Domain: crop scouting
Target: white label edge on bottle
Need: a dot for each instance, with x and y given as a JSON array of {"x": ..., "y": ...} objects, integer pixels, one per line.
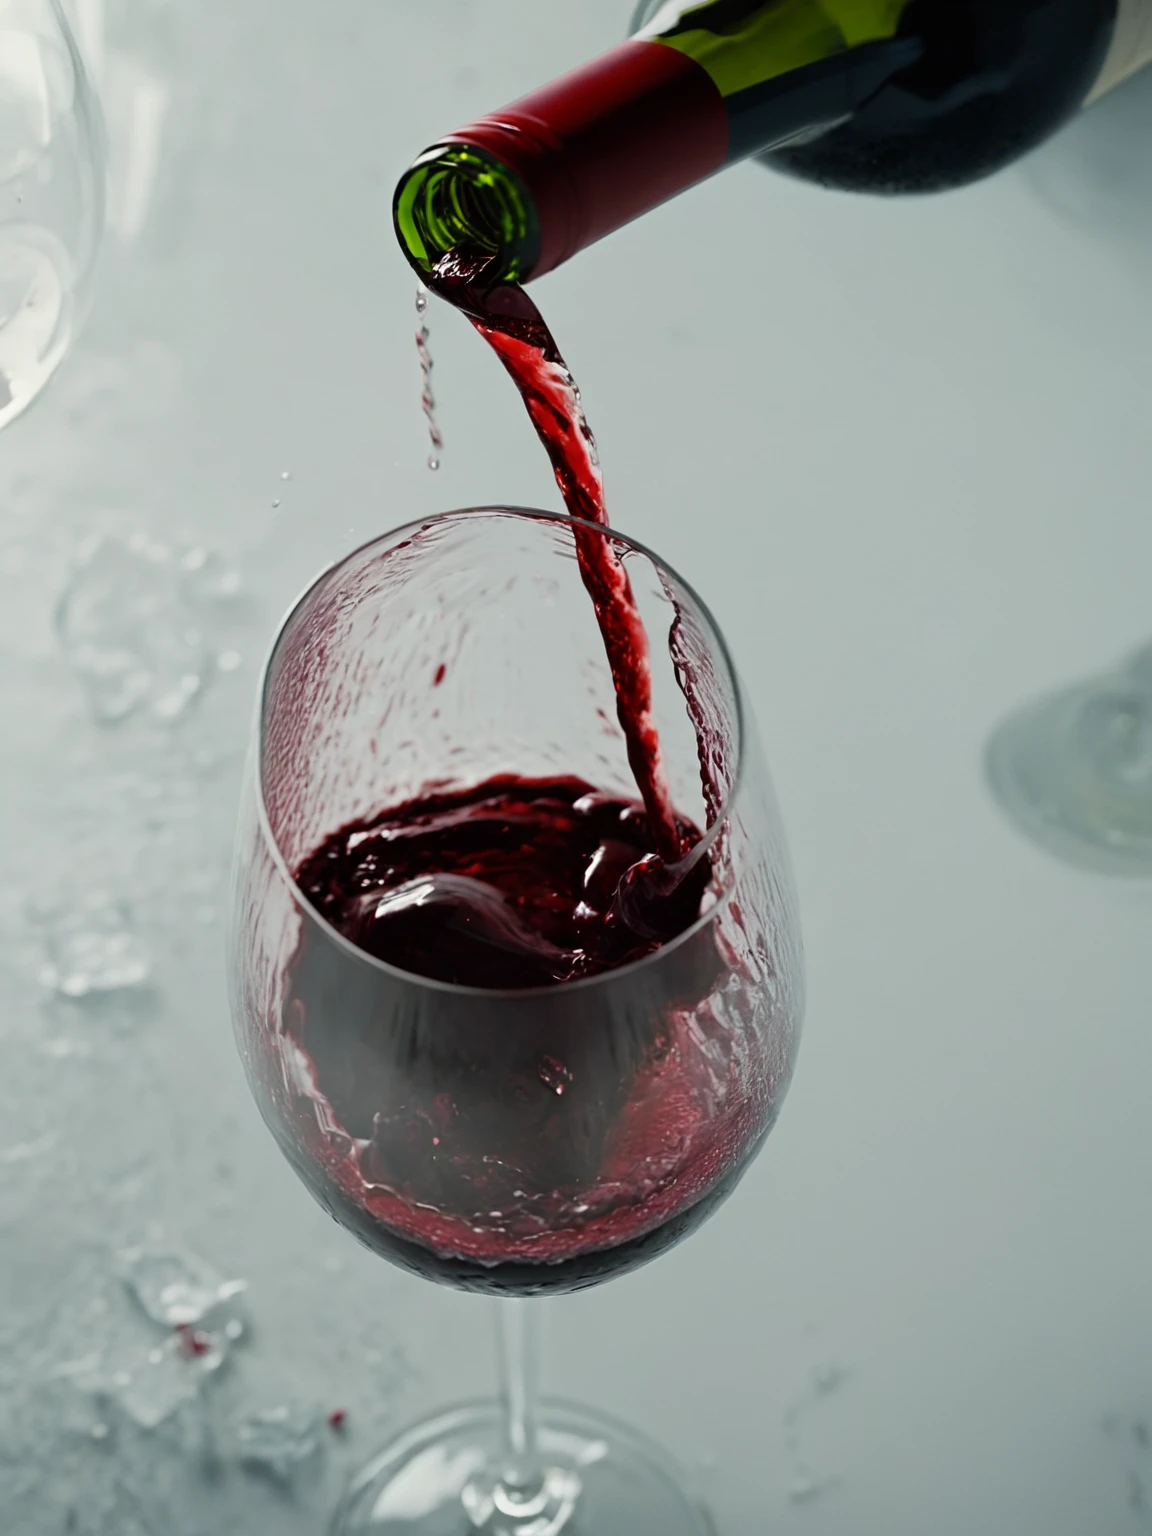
[{"x": 1131, "y": 47}]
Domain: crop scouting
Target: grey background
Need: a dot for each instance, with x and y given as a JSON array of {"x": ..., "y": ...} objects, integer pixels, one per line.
[{"x": 904, "y": 452}]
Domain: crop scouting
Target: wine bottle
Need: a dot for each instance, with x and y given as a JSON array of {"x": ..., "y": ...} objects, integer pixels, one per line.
[{"x": 872, "y": 95}]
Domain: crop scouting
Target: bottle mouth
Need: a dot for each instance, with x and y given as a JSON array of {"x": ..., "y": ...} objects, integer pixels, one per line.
[{"x": 459, "y": 201}]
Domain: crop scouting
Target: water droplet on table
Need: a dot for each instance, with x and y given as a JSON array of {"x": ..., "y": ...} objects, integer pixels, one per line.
[
  {"x": 278, "y": 1441},
  {"x": 28, "y": 1151},
  {"x": 92, "y": 948},
  {"x": 207, "y": 576},
  {"x": 134, "y": 626},
  {"x": 806, "y": 1488},
  {"x": 152, "y": 1382},
  {"x": 181, "y": 1290}
]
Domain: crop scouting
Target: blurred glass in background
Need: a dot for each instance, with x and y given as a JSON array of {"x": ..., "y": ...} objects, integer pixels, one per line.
[
  {"x": 51, "y": 196},
  {"x": 1097, "y": 174},
  {"x": 130, "y": 49},
  {"x": 1073, "y": 768}
]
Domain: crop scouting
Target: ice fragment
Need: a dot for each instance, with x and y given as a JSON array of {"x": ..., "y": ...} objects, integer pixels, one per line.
[
  {"x": 92, "y": 948},
  {"x": 278, "y": 1441},
  {"x": 181, "y": 1290}
]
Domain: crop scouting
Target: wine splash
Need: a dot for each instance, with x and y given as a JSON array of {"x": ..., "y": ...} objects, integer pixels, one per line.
[
  {"x": 516, "y": 331},
  {"x": 514, "y": 883}
]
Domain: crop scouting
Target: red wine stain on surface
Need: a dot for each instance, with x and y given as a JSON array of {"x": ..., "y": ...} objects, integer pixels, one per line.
[{"x": 193, "y": 1342}]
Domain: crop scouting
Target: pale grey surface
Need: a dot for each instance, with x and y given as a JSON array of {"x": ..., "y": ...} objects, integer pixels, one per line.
[{"x": 904, "y": 452}]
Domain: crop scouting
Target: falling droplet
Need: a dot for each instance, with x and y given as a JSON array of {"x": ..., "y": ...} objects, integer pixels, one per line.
[
  {"x": 427, "y": 398},
  {"x": 275, "y": 503},
  {"x": 285, "y": 474}
]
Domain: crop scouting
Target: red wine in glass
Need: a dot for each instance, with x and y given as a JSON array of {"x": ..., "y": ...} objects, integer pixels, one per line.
[{"x": 496, "y": 1157}]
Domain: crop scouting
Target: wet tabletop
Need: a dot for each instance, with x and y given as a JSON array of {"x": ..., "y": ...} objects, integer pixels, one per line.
[{"x": 904, "y": 453}]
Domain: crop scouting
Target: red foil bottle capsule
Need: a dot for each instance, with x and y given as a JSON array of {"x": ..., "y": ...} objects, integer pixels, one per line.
[{"x": 532, "y": 184}]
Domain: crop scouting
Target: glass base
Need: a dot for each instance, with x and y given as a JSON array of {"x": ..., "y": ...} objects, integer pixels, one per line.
[
  {"x": 602, "y": 1479},
  {"x": 1073, "y": 772}
]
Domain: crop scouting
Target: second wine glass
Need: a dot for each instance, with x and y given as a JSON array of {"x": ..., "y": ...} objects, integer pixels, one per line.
[
  {"x": 1073, "y": 769},
  {"x": 51, "y": 196}
]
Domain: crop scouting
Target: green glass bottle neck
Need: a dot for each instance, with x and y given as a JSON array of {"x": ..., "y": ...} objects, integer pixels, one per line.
[{"x": 458, "y": 200}]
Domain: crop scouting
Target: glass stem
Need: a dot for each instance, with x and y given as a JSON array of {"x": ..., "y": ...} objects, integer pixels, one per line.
[
  {"x": 520, "y": 1495},
  {"x": 518, "y": 1344}
]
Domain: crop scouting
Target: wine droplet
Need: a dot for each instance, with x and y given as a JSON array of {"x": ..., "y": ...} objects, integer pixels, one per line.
[
  {"x": 194, "y": 1342},
  {"x": 555, "y": 1075}
]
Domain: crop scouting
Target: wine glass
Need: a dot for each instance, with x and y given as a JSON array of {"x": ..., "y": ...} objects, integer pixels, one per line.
[
  {"x": 1097, "y": 175},
  {"x": 1073, "y": 770},
  {"x": 508, "y": 1142},
  {"x": 51, "y": 196}
]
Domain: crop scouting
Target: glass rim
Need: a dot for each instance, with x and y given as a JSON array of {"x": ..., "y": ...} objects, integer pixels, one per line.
[{"x": 533, "y": 514}]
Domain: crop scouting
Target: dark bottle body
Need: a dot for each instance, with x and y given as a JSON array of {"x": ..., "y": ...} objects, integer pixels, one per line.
[{"x": 993, "y": 79}]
